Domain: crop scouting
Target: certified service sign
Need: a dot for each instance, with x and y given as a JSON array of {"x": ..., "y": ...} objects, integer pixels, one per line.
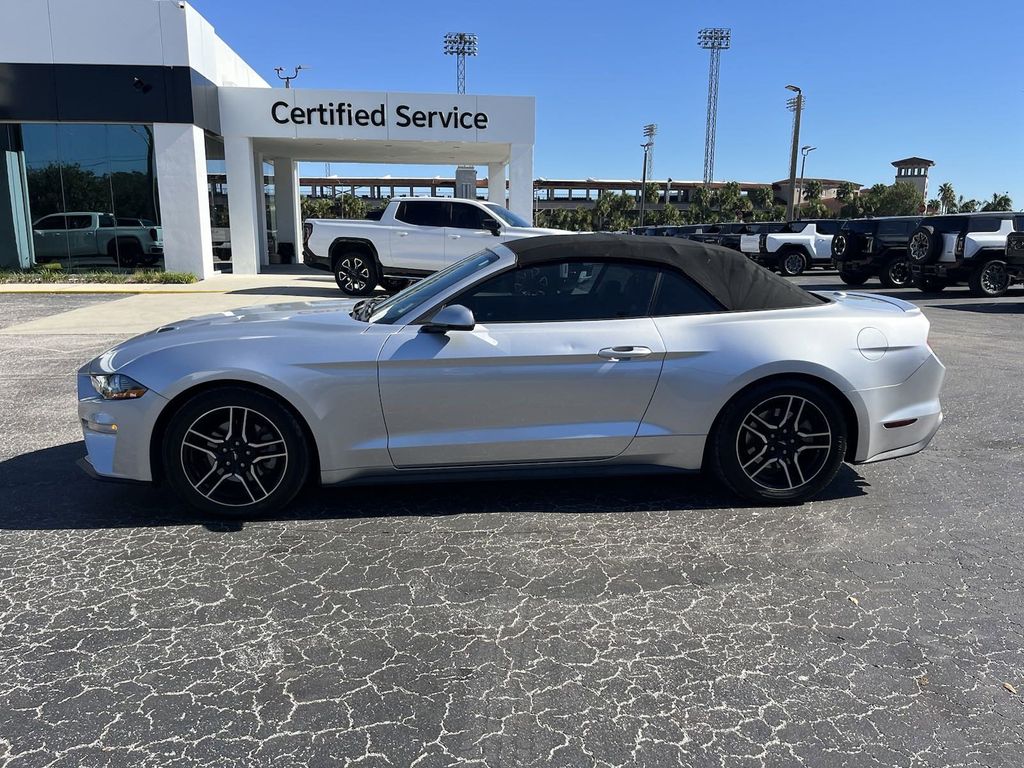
[{"x": 300, "y": 113}]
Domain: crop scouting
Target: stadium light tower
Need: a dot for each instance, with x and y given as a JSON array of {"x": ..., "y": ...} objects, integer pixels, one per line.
[
  {"x": 714, "y": 39},
  {"x": 650, "y": 131},
  {"x": 460, "y": 45}
]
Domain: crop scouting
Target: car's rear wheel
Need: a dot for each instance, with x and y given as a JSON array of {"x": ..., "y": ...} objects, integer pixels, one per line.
[
  {"x": 793, "y": 263},
  {"x": 896, "y": 273},
  {"x": 990, "y": 280},
  {"x": 930, "y": 283},
  {"x": 235, "y": 452},
  {"x": 853, "y": 276},
  {"x": 355, "y": 272},
  {"x": 781, "y": 441}
]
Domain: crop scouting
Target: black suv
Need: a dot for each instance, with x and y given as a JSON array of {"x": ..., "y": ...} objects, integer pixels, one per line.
[
  {"x": 964, "y": 247},
  {"x": 866, "y": 248},
  {"x": 1015, "y": 257}
]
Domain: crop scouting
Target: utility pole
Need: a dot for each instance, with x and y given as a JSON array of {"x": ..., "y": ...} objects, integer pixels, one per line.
[
  {"x": 650, "y": 130},
  {"x": 714, "y": 39},
  {"x": 796, "y": 104}
]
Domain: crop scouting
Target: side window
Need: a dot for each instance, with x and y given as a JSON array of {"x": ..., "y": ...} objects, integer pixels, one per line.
[
  {"x": 679, "y": 295},
  {"x": 79, "y": 222},
  {"x": 892, "y": 228},
  {"x": 424, "y": 213},
  {"x": 985, "y": 224},
  {"x": 469, "y": 216},
  {"x": 828, "y": 227},
  {"x": 109, "y": 221},
  {"x": 51, "y": 223},
  {"x": 563, "y": 291},
  {"x": 1018, "y": 223}
]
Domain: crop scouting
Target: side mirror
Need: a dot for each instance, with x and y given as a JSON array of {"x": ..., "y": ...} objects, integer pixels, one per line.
[
  {"x": 493, "y": 227},
  {"x": 454, "y": 317}
]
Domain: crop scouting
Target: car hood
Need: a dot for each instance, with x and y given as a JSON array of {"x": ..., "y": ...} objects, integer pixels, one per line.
[{"x": 298, "y": 319}]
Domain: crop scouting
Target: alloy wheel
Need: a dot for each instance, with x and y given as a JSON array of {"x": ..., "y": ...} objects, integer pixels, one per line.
[
  {"x": 994, "y": 278},
  {"x": 918, "y": 248},
  {"x": 899, "y": 273},
  {"x": 783, "y": 443},
  {"x": 234, "y": 456},
  {"x": 794, "y": 264},
  {"x": 839, "y": 244},
  {"x": 353, "y": 273}
]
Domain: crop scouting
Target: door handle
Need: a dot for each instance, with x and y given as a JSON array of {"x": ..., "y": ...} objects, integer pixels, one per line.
[
  {"x": 403, "y": 234},
  {"x": 623, "y": 353},
  {"x": 455, "y": 237}
]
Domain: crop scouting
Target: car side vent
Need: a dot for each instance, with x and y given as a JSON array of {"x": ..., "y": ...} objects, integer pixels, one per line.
[{"x": 166, "y": 328}]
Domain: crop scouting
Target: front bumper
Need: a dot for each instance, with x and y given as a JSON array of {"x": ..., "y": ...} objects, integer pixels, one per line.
[
  {"x": 915, "y": 399},
  {"x": 118, "y": 433}
]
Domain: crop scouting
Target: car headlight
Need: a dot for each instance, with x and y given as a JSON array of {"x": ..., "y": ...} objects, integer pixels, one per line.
[{"x": 116, "y": 386}]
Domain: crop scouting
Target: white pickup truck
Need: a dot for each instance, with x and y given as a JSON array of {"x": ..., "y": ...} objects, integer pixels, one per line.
[
  {"x": 81, "y": 234},
  {"x": 413, "y": 237},
  {"x": 798, "y": 246}
]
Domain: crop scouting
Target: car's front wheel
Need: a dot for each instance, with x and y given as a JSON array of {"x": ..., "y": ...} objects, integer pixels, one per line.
[
  {"x": 779, "y": 442},
  {"x": 235, "y": 452}
]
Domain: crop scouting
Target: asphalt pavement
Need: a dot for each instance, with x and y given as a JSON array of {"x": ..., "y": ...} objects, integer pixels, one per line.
[{"x": 607, "y": 622}]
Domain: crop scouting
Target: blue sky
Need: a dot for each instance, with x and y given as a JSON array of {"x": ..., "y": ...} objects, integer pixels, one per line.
[{"x": 883, "y": 80}]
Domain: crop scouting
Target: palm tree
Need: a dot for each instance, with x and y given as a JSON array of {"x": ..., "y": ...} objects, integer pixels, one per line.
[
  {"x": 999, "y": 202},
  {"x": 947, "y": 196},
  {"x": 966, "y": 206},
  {"x": 934, "y": 205}
]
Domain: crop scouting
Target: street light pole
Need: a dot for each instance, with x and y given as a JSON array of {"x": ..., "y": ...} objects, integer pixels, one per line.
[
  {"x": 805, "y": 151},
  {"x": 797, "y": 104},
  {"x": 460, "y": 45}
]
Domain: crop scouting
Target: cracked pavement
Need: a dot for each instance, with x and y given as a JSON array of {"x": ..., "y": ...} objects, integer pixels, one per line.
[{"x": 606, "y": 622}]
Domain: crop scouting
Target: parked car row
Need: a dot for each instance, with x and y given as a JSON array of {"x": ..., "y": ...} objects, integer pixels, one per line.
[{"x": 984, "y": 250}]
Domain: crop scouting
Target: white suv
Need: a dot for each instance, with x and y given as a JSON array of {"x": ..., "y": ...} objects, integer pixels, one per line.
[
  {"x": 795, "y": 248},
  {"x": 965, "y": 247}
]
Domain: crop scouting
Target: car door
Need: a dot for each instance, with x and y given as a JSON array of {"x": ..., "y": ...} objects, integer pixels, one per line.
[
  {"x": 824, "y": 231},
  {"x": 469, "y": 232},
  {"x": 417, "y": 240},
  {"x": 50, "y": 238},
  {"x": 81, "y": 235},
  {"x": 561, "y": 366}
]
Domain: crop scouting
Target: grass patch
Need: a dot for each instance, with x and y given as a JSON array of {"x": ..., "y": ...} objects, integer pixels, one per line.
[{"x": 53, "y": 273}]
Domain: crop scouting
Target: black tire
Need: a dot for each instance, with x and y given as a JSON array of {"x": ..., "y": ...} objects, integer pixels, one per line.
[
  {"x": 896, "y": 273},
  {"x": 990, "y": 279},
  {"x": 924, "y": 245},
  {"x": 356, "y": 273},
  {"x": 793, "y": 263},
  {"x": 231, "y": 477},
  {"x": 758, "y": 465},
  {"x": 930, "y": 283},
  {"x": 846, "y": 246},
  {"x": 394, "y": 284},
  {"x": 853, "y": 277}
]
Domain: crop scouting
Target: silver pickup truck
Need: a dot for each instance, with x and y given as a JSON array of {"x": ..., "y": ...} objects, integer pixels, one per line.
[{"x": 78, "y": 234}]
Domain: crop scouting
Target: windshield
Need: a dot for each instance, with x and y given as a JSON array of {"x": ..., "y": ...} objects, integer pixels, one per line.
[
  {"x": 390, "y": 310},
  {"x": 507, "y": 215}
]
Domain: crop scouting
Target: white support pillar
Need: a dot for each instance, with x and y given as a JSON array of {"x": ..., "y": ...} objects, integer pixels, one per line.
[
  {"x": 180, "y": 152},
  {"x": 520, "y": 181},
  {"x": 286, "y": 199},
  {"x": 263, "y": 247},
  {"x": 245, "y": 219},
  {"x": 496, "y": 183}
]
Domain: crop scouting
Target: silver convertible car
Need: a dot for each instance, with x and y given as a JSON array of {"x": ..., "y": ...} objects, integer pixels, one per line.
[{"x": 551, "y": 354}]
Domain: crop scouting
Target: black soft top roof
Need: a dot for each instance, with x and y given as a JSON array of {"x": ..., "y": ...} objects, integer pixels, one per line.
[{"x": 729, "y": 276}]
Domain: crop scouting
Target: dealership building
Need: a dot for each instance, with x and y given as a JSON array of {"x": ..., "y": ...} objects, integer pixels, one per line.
[{"x": 113, "y": 113}]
